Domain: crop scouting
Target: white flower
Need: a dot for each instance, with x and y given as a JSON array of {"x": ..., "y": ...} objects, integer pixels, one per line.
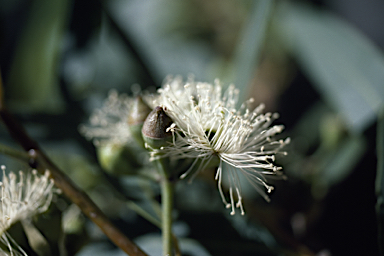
[
  {"x": 207, "y": 125},
  {"x": 110, "y": 122},
  {"x": 21, "y": 198}
]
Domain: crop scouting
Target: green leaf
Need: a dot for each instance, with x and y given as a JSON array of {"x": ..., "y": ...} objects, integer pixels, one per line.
[
  {"x": 36, "y": 240},
  {"x": 380, "y": 181},
  {"x": 33, "y": 83},
  {"x": 338, "y": 164},
  {"x": 151, "y": 243},
  {"x": 249, "y": 46},
  {"x": 346, "y": 68}
]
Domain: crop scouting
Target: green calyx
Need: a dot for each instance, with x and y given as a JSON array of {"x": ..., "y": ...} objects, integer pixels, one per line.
[
  {"x": 138, "y": 114},
  {"x": 117, "y": 159}
]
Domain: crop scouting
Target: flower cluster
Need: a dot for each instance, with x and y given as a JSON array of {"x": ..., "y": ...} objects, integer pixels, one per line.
[
  {"x": 209, "y": 128},
  {"x": 21, "y": 198},
  {"x": 207, "y": 125}
]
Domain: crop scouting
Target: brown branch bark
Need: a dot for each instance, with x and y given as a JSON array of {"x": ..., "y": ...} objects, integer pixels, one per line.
[{"x": 41, "y": 162}]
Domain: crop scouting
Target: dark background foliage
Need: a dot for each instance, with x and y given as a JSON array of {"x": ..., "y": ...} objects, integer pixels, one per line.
[{"x": 318, "y": 63}]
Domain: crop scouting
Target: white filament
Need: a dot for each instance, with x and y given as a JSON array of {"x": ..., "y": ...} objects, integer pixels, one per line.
[
  {"x": 22, "y": 197},
  {"x": 207, "y": 124}
]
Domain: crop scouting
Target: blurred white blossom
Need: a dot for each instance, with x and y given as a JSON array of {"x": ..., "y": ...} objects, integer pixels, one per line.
[
  {"x": 22, "y": 197},
  {"x": 110, "y": 122}
]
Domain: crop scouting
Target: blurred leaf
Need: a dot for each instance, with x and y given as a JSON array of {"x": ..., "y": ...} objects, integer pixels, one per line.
[
  {"x": 50, "y": 226},
  {"x": 380, "y": 181},
  {"x": 84, "y": 173},
  {"x": 335, "y": 152},
  {"x": 73, "y": 220},
  {"x": 102, "y": 64},
  {"x": 99, "y": 249},
  {"x": 249, "y": 46},
  {"x": 253, "y": 230},
  {"x": 36, "y": 240},
  {"x": 33, "y": 82},
  {"x": 163, "y": 53},
  {"x": 306, "y": 131},
  {"x": 338, "y": 164},
  {"x": 152, "y": 244},
  {"x": 344, "y": 65}
]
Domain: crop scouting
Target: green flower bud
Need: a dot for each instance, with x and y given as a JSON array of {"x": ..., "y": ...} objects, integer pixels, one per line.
[
  {"x": 137, "y": 115},
  {"x": 117, "y": 158},
  {"x": 154, "y": 130}
]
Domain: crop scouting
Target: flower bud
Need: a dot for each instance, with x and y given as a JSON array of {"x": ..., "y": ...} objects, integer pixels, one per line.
[
  {"x": 117, "y": 158},
  {"x": 137, "y": 115},
  {"x": 154, "y": 129}
]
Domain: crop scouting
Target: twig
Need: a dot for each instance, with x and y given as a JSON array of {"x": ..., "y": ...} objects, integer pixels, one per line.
[
  {"x": 20, "y": 155},
  {"x": 41, "y": 162}
]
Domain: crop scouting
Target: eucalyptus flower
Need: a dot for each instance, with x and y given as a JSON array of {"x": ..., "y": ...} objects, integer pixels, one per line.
[
  {"x": 109, "y": 124},
  {"x": 22, "y": 197},
  {"x": 113, "y": 128},
  {"x": 207, "y": 127}
]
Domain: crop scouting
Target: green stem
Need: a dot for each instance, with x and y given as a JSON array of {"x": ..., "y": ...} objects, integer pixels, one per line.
[
  {"x": 167, "y": 206},
  {"x": 143, "y": 213},
  {"x": 21, "y": 155},
  {"x": 167, "y": 188}
]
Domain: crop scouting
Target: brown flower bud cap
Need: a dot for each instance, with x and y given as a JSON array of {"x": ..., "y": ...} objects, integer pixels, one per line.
[{"x": 156, "y": 124}]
